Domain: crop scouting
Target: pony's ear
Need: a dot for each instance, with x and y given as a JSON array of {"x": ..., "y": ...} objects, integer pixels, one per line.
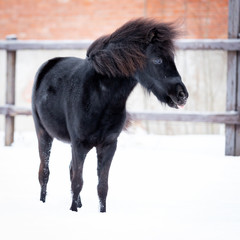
[{"x": 152, "y": 34}]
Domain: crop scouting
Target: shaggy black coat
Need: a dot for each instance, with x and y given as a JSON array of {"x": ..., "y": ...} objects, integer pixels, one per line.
[{"x": 83, "y": 101}]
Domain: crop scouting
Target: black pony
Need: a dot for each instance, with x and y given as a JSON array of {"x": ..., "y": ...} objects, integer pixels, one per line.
[{"x": 83, "y": 101}]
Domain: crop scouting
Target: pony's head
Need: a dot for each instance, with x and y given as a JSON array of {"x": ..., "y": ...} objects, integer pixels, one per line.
[{"x": 142, "y": 49}]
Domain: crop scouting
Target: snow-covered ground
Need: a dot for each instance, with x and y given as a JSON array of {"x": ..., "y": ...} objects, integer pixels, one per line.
[{"x": 161, "y": 187}]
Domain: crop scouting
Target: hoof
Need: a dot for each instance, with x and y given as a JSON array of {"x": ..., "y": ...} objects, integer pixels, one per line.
[
  {"x": 43, "y": 197},
  {"x": 79, "y": 203},
  {"x": 102, "y": 208},
  {"x": 74, "y": 207}
]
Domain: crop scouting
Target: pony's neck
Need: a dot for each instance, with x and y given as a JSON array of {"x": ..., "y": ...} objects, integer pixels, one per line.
[
  {"x": 116, "y": 90},
  {"x": 112, "y": 92}
]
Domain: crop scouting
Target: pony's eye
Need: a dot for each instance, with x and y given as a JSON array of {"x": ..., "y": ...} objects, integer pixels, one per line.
[{"x": 157, "y": 60}]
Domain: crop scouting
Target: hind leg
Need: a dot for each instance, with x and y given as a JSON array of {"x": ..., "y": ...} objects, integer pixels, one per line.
[{"x": 44, "y": 146}]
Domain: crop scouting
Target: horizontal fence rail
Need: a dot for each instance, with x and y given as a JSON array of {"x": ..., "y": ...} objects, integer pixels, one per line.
[
  {"x": 209, "y": 44},
  {"x": 224, "y": 118},
  {"x": 12, "y": 110},
  {"x": 184, "y": 44},
  {"x": 14, "y": 45}
]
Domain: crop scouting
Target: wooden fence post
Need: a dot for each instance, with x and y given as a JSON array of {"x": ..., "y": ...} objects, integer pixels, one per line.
[
  {"x": 10, "y": 92},
  {"x": 232, "y": 142}
]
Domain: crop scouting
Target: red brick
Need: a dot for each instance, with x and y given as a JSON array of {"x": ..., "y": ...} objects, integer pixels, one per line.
[{"x": 88, "y": 19}]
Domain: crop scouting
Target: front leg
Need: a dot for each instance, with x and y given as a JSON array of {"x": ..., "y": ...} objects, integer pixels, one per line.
[
  {"x": 79, "y": 203},
  {"x": 105, "y": 153},
  {"x": 79, "y": 153}
]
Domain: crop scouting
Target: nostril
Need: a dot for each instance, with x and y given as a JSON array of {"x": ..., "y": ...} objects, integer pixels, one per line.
[{"x": 182, "y": 95}]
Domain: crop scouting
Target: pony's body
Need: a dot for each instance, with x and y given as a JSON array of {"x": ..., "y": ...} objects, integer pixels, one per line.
[
  {"x": 98, "y": 117},
  {"x": 83, "y": 101}
]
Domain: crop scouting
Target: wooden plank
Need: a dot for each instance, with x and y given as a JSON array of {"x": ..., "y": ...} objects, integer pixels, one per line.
[
  {"x": 12, "y": 110},
  {"x": 184, "y": 44},
  {"x": 232, "y": 82},
  {"x": 229, "y": 117},
  {"x": 233, "y": 18},
  {"x": 237, "y": 151},
  {"x": 10, "y": 96},
  {"x": 231, "y": 103},
  {"x": 230, "y": 129},
  {"x": 208, "y": 44},
  {"x": 44, "y": 44}
]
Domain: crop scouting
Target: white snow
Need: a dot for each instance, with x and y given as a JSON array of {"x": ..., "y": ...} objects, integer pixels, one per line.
[{"x": 160, "y": 187}]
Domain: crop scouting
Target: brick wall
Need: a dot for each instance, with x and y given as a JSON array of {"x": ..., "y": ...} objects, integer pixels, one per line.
[{"x": 88, "y": 19}]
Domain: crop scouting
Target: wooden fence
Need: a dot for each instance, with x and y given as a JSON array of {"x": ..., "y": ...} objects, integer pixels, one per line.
[{"x": 231, "y": 118}]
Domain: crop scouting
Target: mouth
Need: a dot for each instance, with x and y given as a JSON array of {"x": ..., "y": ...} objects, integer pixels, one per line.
[{"x": 174, "y": 103}]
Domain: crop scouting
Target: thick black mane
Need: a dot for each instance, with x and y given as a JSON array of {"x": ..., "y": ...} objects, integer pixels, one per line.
[{"x": 123, "y": 51}]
